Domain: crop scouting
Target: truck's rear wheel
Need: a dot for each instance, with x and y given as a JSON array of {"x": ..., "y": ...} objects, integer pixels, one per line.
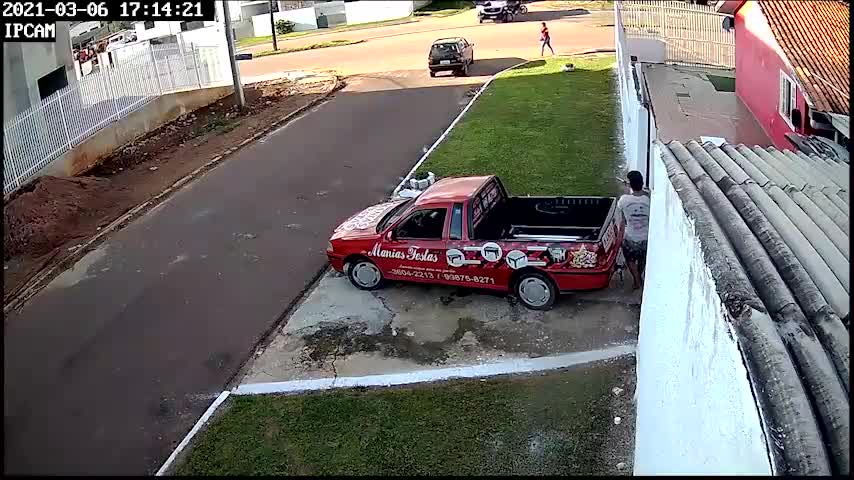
[
  {"x": 536, "y": 291},
  {"x": 365, "y": 275}
]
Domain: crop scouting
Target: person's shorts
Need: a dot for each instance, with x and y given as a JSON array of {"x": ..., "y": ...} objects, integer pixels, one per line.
[{"x": 634, "y": 251}]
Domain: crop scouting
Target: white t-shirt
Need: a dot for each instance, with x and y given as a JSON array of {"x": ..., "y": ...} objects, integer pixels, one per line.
[{"x": 635, "y": 209}]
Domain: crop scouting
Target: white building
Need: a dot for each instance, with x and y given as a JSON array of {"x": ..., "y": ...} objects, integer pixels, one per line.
[{"x": 33, "y": 71}]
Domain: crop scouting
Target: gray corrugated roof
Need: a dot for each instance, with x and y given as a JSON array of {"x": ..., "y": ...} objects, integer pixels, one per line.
[{"x": 783, "y": 216}]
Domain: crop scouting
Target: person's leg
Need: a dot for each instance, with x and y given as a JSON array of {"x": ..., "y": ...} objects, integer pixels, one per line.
[
  {"x": 542, "y": 47},
  {"x": 629, "y": 253},
  {"x": 642, "y": 262},
  {"x": 549, "y": 43}
]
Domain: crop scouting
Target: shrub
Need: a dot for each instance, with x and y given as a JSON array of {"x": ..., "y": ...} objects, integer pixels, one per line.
[{"x": 284, "y": 27}]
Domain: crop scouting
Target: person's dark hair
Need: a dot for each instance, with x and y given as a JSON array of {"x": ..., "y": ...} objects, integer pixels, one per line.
[
  {"x": 635, "y": 179},
  {"x": 544, "y": 24}
]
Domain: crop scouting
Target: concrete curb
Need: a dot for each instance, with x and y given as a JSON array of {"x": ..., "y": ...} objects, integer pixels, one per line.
[
  {"x": 471, "y": 102},
  {"x": 506, "y": 367},
  {"x": 40, "y": 279},
  {"x": 196, "y": 428}
]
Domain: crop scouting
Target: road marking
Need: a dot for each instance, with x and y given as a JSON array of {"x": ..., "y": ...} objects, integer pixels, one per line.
[{"x": 198, "y": 426}]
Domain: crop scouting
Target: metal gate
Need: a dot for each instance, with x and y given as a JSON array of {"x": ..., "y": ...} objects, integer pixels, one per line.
[{"x": 693, "y": 34}]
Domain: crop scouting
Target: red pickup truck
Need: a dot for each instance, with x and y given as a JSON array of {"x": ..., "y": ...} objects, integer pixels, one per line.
[{"x": 467, "y": 231}]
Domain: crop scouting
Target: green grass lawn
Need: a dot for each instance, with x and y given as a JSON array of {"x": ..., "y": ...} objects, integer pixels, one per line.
[
  {"x": 444, "y": 8},
  {"x": 251, "y": 41},
  {"x": 540, "y": 130},
  {"x": 313, "y": 46},
  {"x": 550, "y": 424}
]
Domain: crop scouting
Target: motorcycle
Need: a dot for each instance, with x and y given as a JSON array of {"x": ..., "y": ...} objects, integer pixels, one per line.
[{"x": 516, "y": 8}]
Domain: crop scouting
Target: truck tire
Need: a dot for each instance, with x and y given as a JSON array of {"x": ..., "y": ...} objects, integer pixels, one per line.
[
  {"x": 432, "y": 74},
  {"x": 364, "y": 274},
  {"x": 536, "y": 291}
]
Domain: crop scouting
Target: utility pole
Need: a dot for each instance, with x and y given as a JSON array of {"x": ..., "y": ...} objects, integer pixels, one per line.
[
  {"x": 273, "y": 26},
  {"x": 235, "y": 71}
]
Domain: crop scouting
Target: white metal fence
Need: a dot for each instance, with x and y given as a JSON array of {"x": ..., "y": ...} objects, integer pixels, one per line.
[
  {"x": 43, "y": 132},
  {"x": 693, "y": 34}
]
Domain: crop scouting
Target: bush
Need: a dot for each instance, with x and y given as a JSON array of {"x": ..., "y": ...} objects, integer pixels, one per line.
[{"x": 284, "y": 27}]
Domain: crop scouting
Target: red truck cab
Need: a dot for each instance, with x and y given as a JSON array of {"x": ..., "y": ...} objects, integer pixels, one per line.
[{"x": 467, "y": 231}]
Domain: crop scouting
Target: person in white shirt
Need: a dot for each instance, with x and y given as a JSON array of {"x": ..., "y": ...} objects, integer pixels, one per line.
[{"x": 633, "y": 211}]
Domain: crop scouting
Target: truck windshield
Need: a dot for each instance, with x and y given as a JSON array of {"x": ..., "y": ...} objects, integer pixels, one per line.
[{"x": 393, "y": 215}]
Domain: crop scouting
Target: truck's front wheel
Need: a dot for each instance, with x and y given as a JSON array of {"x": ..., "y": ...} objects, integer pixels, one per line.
[
  {"x": 536, "y": 291},
  {"x": 365, "y": 275}
]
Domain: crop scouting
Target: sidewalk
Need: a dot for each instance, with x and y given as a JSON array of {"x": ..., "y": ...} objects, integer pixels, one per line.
[{"x": 406, "y": 26}]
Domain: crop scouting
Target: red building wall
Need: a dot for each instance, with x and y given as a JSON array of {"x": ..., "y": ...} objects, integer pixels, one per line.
[{"x": 758, "y": 62}]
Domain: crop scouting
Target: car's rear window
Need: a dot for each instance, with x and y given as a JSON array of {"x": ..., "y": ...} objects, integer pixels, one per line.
[{"x": 441, "y": 48}]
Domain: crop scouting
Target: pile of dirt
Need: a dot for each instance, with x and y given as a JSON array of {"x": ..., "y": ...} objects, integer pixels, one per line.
[
  {"x": 45, "y": 218},
  {"x": 48, "y": 212},
  {"x": 192, "y": 128}
]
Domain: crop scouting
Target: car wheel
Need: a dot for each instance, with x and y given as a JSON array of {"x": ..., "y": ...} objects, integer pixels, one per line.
[
  {"x": 432, "y": 73},
  {"x": 536, "y": 291},
  {"x": 365, "y": 275},
  {"x": 523, "y": 9}
]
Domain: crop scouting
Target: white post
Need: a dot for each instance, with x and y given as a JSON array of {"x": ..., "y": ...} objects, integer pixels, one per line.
[
  {"x": 107, "y": 90},
  {"x": 169, "y": 73},
  {"x": 196, "y": 62},
  {"x": 235, "y": 72},
  {"x": 156, "y": 73},
  {"x": 64, "y": 123}
]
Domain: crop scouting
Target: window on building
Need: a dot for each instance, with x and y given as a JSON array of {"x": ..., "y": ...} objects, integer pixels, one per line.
[
  {"x": 787, "y": 101},
  {"x": 148, "y": 24},
  {"x": 185, "y": 26},
  {"x": 52, "y": 82}
]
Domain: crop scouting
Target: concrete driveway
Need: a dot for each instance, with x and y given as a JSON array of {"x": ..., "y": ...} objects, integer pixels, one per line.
[
  {"x": 107, "y": 368},
  {"x": 339, "y": 330}
]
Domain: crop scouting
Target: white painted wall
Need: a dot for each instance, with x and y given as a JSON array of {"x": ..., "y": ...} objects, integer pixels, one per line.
[
  {"x": 213, "y": 35},
  {"x": 335, "y": 12},
  {"x": 648, "y": 50},
  {"x": 303, "y": 18},
  {"x": 376, "y": 11},
  {"x": 696, "y": 413},
  {"x": 638, "y": 125},
  {"x": 160, "y": 29}
]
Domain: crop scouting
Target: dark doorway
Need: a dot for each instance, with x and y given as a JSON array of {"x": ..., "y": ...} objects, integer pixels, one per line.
[{"x": 52, "y": 82}]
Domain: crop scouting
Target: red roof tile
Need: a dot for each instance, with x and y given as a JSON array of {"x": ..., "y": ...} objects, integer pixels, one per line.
[{"x": 815, "y": 38}]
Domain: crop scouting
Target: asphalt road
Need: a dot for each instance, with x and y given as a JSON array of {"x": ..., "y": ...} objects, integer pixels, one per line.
[{"x": 109, "y": 366}]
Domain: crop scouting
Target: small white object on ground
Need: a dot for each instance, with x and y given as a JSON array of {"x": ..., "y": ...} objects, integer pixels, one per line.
[
  {"x": 621, "y": 465},
  {"x": 617, "y": 420},
  {"x": 617, "y": 390},
  {"x": 718, "y": 141},
  {"x": 408, "y": 193},
  {"x": 152, "y": 168}
]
